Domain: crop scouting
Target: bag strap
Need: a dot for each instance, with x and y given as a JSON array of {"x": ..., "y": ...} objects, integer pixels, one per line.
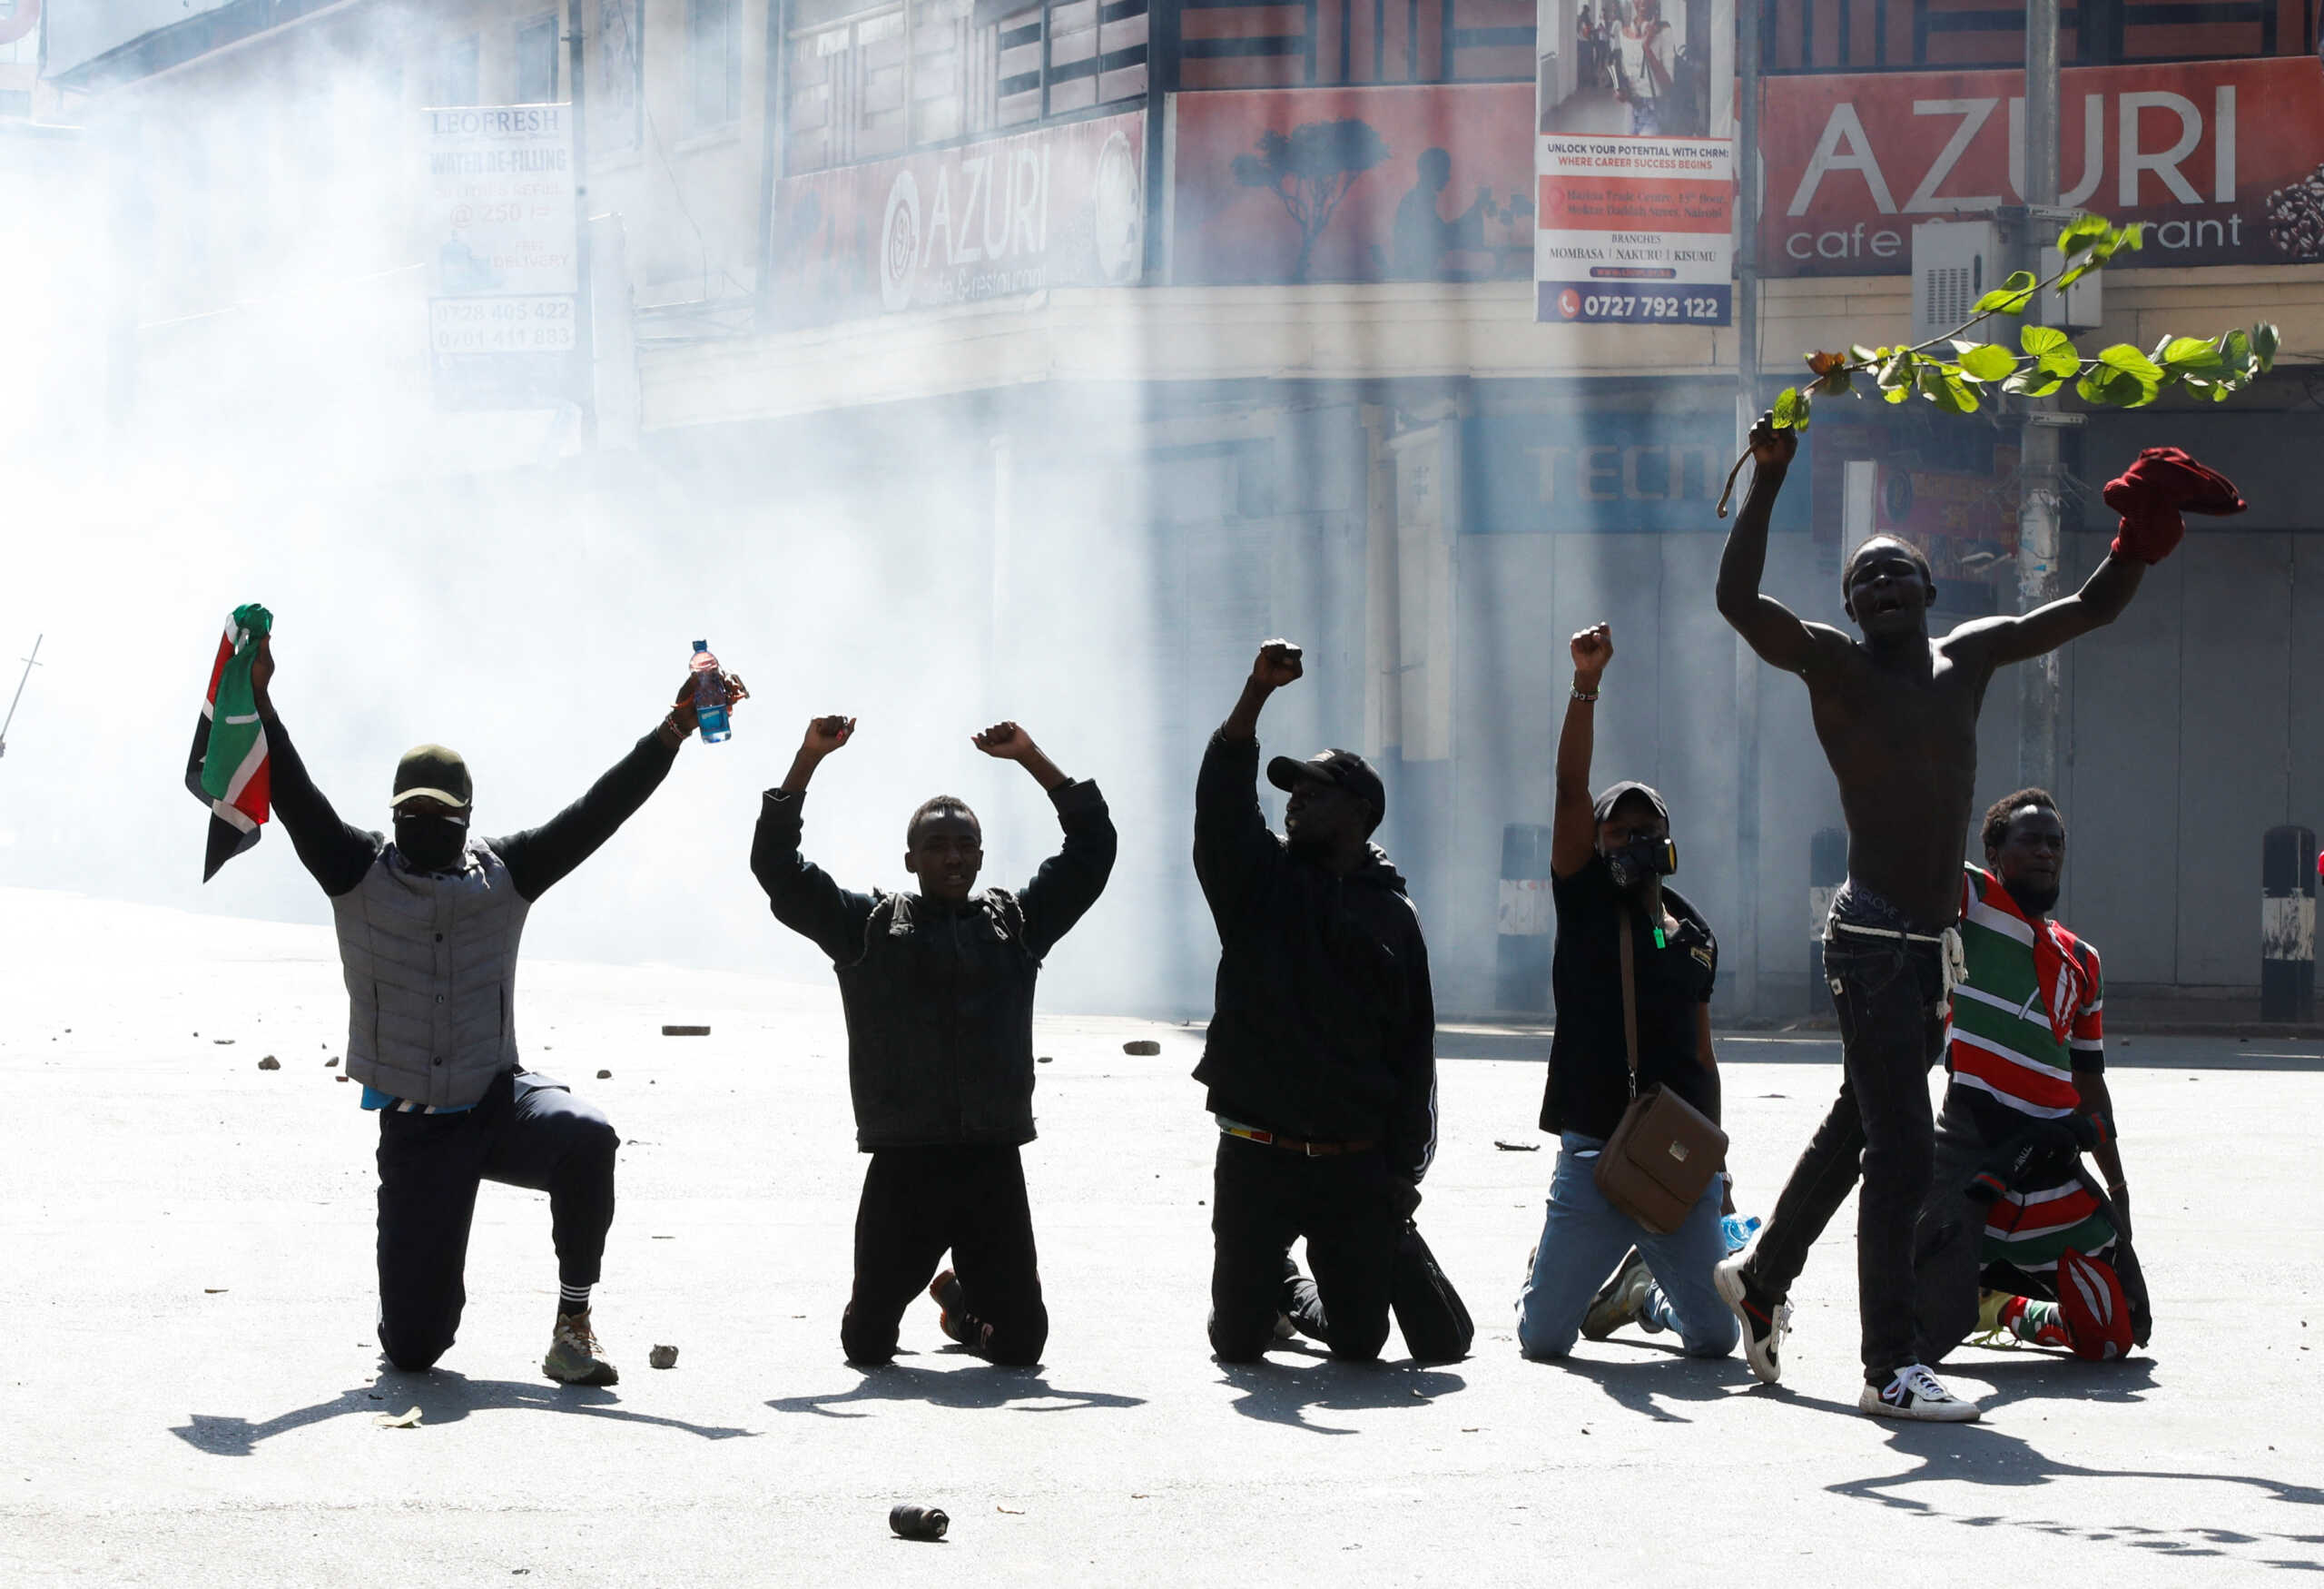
[{"x": 1630, "y": 994}]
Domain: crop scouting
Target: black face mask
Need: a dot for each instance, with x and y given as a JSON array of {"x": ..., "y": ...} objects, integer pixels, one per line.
[
  {"x": 431, "y": 844},
  {"x": 1640, "y": 859}
]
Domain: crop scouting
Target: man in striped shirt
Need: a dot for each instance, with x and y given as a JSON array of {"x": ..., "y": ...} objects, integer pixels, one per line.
[{"x": 2017, "y": 1241}]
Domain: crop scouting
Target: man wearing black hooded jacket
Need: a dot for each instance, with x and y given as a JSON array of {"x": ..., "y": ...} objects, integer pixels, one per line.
[{"x": 1321, "y": 1057}]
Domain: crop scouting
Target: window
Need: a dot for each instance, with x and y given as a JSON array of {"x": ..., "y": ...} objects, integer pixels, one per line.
[
  {"x": 454, "y": 81},
  {"x": 537, "y": 42},
  {"x": 714, "y": 64}
]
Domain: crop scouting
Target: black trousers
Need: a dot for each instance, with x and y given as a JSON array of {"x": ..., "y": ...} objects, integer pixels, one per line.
[
  {"x": 1429, "y": 1312},
  {"x": 1890, "y": 996},
  {"x": 530, "y": 1132},
  {"x": 1263, "y": 1198},
  {"x": 917, "y": 1203}
]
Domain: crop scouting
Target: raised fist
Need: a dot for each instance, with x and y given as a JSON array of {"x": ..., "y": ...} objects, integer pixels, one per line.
[
  {"x": 1278, "y": 664},
  {"x": 826, "y": 734},
  {"x": 1592, "y": 648},
  {"x": 1006, "y": 742}
]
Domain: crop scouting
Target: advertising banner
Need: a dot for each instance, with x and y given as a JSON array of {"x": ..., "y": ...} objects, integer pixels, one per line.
[
  {"x": 1633, "y": 169},
  {"x": 1062, "y": 206},
  {"x": 501, "y": 309},
  {"x": 1427, "y": 184},
  {"x": 1607, "y": 473},
  {"x": 2220, "y": 158}
]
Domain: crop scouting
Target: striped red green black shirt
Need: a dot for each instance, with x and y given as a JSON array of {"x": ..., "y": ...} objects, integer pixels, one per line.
[{"x": 2030, "y": 1012}]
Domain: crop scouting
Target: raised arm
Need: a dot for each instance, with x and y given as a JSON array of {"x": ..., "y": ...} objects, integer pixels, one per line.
[
  {"x": 539, "y": 858},
  {"x": 802, "y": 893},
  {"x": 336, "y": 854},
  {"x": 1070, "y": 882},
  {"x": 1770, "y": 628},
  {"x": 1231, "y": 834},
  {"x": 1573, "y": 838},
  {"x": 2099, "y": 602}
]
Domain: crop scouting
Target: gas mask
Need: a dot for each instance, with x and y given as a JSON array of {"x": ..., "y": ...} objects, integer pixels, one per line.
[
  {"x": 1641, "y": 858},
  {"x": 431, "y": 844}
]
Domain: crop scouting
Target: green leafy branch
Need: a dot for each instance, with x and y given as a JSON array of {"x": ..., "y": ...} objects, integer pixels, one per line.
[{"x": 1957, "y": 373}]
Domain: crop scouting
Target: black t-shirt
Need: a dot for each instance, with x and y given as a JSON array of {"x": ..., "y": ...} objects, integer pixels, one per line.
[{"x": 1588, "y": 1085}]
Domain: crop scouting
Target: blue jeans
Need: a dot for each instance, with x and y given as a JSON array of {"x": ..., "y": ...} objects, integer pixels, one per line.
[{"x": 1583, "y": 1238}]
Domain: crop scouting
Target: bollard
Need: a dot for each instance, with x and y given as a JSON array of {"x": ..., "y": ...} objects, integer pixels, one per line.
[
  {"x": 2288, "y": 924},
  {"x": 1827, "y": 868},
  {"x": 1527, "y": 920}
]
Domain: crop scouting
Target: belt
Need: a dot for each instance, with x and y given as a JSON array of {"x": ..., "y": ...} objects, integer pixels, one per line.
[
  {"x": 1951, "y": 955},
  {"x": 1294, "y": 1144}
]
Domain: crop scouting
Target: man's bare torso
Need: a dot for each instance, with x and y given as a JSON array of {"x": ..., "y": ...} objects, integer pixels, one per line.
[{"x": 1902, "y": 744}]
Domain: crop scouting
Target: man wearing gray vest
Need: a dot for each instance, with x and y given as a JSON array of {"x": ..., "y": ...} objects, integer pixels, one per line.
[{"x": 429, "y": 923}]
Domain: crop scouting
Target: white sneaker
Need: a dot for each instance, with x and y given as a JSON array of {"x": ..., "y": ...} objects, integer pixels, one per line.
[
  {"x": 1913, "y": 1392},
  {"x": 1764, "y": 1323}
]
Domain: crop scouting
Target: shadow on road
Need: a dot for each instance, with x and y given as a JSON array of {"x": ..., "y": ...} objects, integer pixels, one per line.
[
  {"x": 1659, "y": 1374},
  {"x": 1982, "y": 1455},
  {"x": 2038, "y": 1377},
  {"x": 1277, "y": 1392},
  {"x": 979, "y": 1386},
  {"x": 442, "y": 1395}
]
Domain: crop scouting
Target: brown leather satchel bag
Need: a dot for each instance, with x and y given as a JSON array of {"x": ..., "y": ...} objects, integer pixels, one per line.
[{"x": 1665, "y": 1151}]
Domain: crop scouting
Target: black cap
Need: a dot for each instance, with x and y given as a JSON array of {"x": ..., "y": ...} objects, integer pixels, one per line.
[
  {"x": 1615, "y": 793},
  {"x": 1342, "y": 768}
]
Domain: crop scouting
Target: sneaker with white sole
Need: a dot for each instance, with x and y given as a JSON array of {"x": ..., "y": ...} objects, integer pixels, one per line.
[
  {"x": 1913, "y": 1392},
  {"x": 1765, "y": 1320},
  {"x": 1619, "y": 1300},
  {"x": 574, "y": 1357}
]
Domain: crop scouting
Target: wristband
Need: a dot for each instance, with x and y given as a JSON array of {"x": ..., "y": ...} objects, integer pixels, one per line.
[{"x": 1587, "y": 697}]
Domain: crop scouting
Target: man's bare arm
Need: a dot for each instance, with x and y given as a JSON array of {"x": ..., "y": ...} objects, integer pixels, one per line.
[
  {"x": 2099, "y": 602},
  {"x": 1766, "y": 626},
  {"x": 1573, "y": 838}
]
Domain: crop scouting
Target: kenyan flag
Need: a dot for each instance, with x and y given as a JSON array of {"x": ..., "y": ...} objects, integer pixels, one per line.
[{"x": 227, "y": 770}]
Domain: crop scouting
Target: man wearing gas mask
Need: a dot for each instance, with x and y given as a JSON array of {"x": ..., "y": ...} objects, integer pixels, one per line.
[
  {"x": 428, "y": 923},
  {"x": 1608, "y": 860},
  {"x": 2018, "y": 1244}
]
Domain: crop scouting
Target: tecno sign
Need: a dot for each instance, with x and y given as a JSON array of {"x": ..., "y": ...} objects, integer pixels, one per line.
[{"x": 1852, "y": 162}]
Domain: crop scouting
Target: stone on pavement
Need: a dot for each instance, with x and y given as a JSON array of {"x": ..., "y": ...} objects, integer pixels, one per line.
[{"x": 153, "y": 1436}]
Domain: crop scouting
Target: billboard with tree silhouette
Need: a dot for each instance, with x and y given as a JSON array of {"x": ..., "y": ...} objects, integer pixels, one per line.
[{"x": 1352, "y": 184}]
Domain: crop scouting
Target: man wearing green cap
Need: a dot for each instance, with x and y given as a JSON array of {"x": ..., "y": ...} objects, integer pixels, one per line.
[{"x": 428, "y": 923}]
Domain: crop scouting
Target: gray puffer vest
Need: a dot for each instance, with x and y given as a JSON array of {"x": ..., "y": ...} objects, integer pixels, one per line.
[{"x": 430, "y": 961}]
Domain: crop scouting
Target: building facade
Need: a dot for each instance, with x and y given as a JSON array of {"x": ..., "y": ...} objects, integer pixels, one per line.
[{"x": 1161, "y": 327}]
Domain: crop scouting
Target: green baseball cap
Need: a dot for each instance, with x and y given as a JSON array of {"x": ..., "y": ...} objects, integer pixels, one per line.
[{"x": 431, "y": 772}]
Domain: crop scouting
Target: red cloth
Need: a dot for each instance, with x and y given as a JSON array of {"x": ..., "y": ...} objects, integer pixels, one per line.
[{"x": 2150, "y": 494}]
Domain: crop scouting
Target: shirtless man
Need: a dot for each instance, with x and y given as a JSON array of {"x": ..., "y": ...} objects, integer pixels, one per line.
[{"x": 1896, "y": 713}]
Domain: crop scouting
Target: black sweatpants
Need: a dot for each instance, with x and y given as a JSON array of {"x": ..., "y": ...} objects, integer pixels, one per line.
[
  {"x": 1429, "y": 1312},
  {"x": 1263, "y": 1198},
  {"x": 529, "y": 1131},
  {"x": 1890, "y": 996},
  {"x": 917, "y": 1203}
]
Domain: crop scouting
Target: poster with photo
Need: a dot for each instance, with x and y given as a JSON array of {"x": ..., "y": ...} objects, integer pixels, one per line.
[{"x": 1633, "y": 162}]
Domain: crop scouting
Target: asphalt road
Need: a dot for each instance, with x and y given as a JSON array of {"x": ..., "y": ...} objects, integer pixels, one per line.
[{"x": 191, "y": 1383}]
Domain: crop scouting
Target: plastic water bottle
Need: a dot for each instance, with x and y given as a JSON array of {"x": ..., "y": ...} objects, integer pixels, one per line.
[
  {"x": 1738, "y": 1231},
  {"x": 709, "y": 694}
]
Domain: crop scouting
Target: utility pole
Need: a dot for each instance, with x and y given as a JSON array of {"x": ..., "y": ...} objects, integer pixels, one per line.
[
  {"x": 2040, "y": 493},
  {"x": 585, "y": 307},
  {"x": 30, "y": 662},
  {"x": 1746, "y": 412}
]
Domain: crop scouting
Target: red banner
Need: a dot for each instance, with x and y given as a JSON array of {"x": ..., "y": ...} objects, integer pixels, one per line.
[
  {"x": 1061, "y": 206},
  {"x": 2220, "y": 158},
  {"x": 1354, "y": 184}
]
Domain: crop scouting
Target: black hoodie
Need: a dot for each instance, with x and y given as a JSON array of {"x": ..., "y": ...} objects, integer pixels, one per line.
[{"x": 1325, "y": 1027}]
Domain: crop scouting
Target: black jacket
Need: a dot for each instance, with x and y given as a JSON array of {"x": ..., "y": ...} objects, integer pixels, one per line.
[
  {"x": 1325, "y": 1027},
  {"x": 939, "y": 998}
]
